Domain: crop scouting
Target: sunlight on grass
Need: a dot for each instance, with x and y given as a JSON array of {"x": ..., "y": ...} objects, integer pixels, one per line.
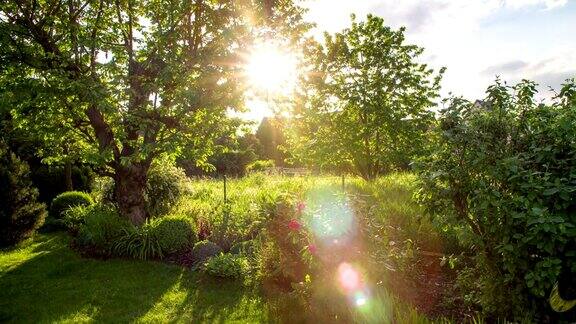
[{"x": 44, "y": 280}]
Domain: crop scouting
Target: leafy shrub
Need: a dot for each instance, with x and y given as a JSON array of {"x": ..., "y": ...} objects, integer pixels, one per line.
[
  {"x": 68, "y": 199},
  {"x": 166, "y": 183},
  {"x": 226, "y": 265},
  {"x": 101, "y": 228},
  {"x": 280, "y": 257},
  {"x": 74, "y": 218},
  {"x": 174, "y": 233},
  {"x": 138, "y": 243},
  {"x": 204, "y": 250},
  {"x": 259, "y": 165},
  {"x": 244, "y": 248},
  {"x": 20, "y": 212},
  {"x": 502, "y": 177}
]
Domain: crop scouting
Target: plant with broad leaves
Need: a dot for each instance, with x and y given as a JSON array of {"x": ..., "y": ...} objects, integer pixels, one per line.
[{"x": 502, "y": 174}]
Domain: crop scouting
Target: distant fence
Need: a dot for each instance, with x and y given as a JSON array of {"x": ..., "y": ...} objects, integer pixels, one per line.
[{"x": 287, "y": 171}]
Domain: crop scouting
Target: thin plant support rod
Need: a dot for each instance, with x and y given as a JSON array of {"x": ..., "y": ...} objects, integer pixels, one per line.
[
  {"x": 225, "y": 195},
  {"x": 226, "y": 215}
]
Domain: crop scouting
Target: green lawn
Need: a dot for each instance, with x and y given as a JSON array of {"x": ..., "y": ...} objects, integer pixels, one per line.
[{"x": 46, "y": 281}]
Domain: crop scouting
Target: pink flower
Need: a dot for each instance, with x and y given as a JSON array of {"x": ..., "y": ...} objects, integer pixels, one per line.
[
  {"x": 312, "y": 248},
  {"x": 300, "y": 207},
  {"x": 294, "y": 225}
]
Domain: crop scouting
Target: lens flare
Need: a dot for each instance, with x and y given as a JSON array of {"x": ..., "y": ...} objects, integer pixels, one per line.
[
  {"x": 348, "y": 277},
  {"x": 352, "y": 284},
  {"x": 360, "y": 298},
  {"x": 329, "y": 215}
]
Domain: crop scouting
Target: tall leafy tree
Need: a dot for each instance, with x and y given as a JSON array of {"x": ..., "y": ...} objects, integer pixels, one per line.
[
  {"x": 366, "y": 102},
  {"x": 127, "y": 81}
]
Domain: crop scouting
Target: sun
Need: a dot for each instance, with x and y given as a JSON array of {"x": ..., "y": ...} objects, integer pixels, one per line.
[{"x": 271, "y": 69}]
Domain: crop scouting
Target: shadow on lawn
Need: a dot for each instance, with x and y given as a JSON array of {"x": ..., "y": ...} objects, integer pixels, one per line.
[{"x": 56, "y": 284}]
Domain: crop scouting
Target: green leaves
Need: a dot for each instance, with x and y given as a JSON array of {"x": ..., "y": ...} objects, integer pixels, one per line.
[
  {"x": 504, "y": 169},
  {"x": 369, "y": 111}
]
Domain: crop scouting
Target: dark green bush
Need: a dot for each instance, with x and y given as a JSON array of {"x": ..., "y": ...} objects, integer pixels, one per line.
[
  {"x": 156, "y": 238},
  {"x": 74, "y": 218},
  {"x": 102, "y": 227},
  {"x": 20, "y": 212},
  {"x": 66, "y": 200},
  {"x": 226, "y": 265},
  {"x": 204, "y": 250},
  {"x": 502, "y": 176},
  {"x": 174, "y": 233},
  {"x": 102, "y": 231}
]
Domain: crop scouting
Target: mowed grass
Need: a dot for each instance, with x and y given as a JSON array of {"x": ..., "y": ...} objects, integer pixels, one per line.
[{"x": 46, "y": 281}]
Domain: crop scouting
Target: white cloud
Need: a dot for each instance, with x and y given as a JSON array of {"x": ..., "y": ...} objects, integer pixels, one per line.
[
  {"x": 549, "y": 4},
  {"x": 455, "y": 34}
]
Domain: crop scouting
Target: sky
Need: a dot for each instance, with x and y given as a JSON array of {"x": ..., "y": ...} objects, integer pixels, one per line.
[{"x": 474, "y": 39}]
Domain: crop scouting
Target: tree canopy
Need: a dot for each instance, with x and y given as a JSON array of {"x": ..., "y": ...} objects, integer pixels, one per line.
[
  {"x": 123, "y": 82},
  {"x": 366, "y": 101}
]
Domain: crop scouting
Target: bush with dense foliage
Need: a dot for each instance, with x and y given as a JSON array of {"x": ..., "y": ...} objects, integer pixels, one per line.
[
  {"x": 174, "y": 233},
  {"x": 166, "y": 183},
  {"x": 502, "y": 177},
  {"x": 74, "y": 218},
  {"x": 66, "y": 200},
  {"x": 20, "y": 212},
  {"x": 226, "y": 265},
  {"x": 101, "y": 231}
]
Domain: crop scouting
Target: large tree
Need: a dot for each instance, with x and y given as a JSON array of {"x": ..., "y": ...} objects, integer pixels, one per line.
[
  {"x": 366, "y": 102},
  {"x": 127, "y": 81}
]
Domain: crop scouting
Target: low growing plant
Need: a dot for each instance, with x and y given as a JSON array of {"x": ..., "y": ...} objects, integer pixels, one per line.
[
  {"x": 204, "y": 250},
  {"x": 138, "y": 243},
  {"x": 226, "y": 265},
  {"x": 66, "y": 200},
  {"x": 102, "y": 227}
]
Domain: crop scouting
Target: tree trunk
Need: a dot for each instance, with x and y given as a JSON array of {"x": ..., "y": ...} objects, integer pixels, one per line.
[
  {"x": 130, "y": 183},
  {"x": 68, "y": 176}
]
